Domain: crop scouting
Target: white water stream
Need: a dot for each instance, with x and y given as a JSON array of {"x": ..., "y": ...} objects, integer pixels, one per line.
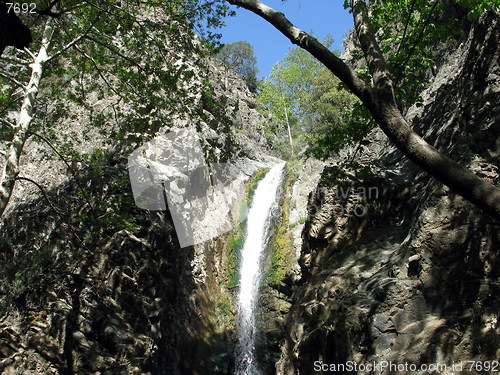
[{"x": 258, "y": 226}]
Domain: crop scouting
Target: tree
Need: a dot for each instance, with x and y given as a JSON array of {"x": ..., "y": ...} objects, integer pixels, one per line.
[
  {"x": 281, "y": 95},
  {"x": 331, "y": 116},
  {"x": 21, "y": 128},
  {"x": 240, "y": 57},
  {"x": 279, "y": 107},
  {"x": 294, "y": 76},
  {"x": 321, "y": 109},
  {"x": 379, "y": 97},
  {"x": 287, "y": 95},
  {"x": 106, "y": 49}
]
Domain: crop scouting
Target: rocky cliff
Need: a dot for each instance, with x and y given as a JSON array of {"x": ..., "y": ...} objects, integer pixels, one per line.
[
  {"x": 90, "y": 283},
  {"x": 395, "y": 266}
]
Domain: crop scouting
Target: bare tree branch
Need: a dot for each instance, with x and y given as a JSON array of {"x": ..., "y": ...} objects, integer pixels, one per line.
[
  {"x": 11, "y": 79},
  {"x": 99, "y": 71},
  {"x": 8, "y": 123},
  {"x": 21, "y": 130},
  {"x": 73, "y": 42},
  {"x": 118, "y": 53},
  {"x": 71, "y": 170},
  {"x": 8, "y": 106},
  {"x": 347, "y": 75},
  {"x": 33, "y": 57},
  {"x": 381, "y": 103},
  {"x": 14, "y": 60},
  {"x": 374, "y": 58},
  {"x": 59, "y": 213},
  {"x": 419, "y": 38},
  {"x": 407, "y": 23}
]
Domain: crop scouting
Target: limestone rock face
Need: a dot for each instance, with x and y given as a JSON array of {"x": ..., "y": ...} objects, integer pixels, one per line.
[{"x": 412, "y": 276}]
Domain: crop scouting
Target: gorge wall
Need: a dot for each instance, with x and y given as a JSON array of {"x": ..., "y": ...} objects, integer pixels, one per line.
[
  {"x": 91, "y": 284},
  {"x": 395, "y": 266}
]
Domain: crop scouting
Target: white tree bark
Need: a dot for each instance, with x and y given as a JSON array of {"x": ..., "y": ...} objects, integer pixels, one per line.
[
  {"x": 289, "y": 130},
  {"x": 22, "y": 127}
]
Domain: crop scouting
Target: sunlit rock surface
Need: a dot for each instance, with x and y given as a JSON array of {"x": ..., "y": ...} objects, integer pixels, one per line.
[{"x": 415, "y": 280}]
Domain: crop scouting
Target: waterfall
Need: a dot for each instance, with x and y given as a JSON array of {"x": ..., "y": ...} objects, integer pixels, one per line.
[{"x": 258, "y": 225}]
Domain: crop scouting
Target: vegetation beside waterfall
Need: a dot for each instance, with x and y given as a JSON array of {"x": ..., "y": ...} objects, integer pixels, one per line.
[{"x": 281, "y": 249}]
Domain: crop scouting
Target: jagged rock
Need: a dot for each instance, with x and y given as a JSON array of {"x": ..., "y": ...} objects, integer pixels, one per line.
[{"x": 412, "y": 280}]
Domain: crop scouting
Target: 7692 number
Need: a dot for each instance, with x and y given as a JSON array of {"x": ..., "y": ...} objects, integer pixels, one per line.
[
  {"x": 21, "y": 8},
  {"x": 492, "y": 366}
]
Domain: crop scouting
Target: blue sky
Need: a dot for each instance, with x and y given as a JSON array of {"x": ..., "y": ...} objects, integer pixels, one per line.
[{"x": 322, "y": 17}]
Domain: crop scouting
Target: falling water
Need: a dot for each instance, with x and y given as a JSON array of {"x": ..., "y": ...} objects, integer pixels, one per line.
[{"x": 258, "y": 223}]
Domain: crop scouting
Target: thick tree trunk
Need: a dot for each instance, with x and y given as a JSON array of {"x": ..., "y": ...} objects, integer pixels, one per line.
[
  {"x": 381, "y": 102},
  {"x": 22, "y": 127}
]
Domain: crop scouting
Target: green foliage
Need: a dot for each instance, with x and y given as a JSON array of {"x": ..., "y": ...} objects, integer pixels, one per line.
[
  {"x": 234, "y": 246},
  {"x": 254, "y": 182},
  {"x": 476, "y": 7},
  {"x": 274, "y": 102},
  {"x": 289, "y": 90},
  {"x": 225, "y": 307},
  {"x": 278, "y": 108},
  {"x": 305, "y": 95},
  {"x": 130, "y": 71},
  {"x": 295, "y": 76},
  {"x": 413, "y": 33},
  {"x": 282, "y": 247},
  {"x": 282, "y": 253},
  {"x": 240, "y": 57},
  {"x": 281, "y": 99},
  {"x": 125, "y": 55},
  {"x": 335, "y": 117}
]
